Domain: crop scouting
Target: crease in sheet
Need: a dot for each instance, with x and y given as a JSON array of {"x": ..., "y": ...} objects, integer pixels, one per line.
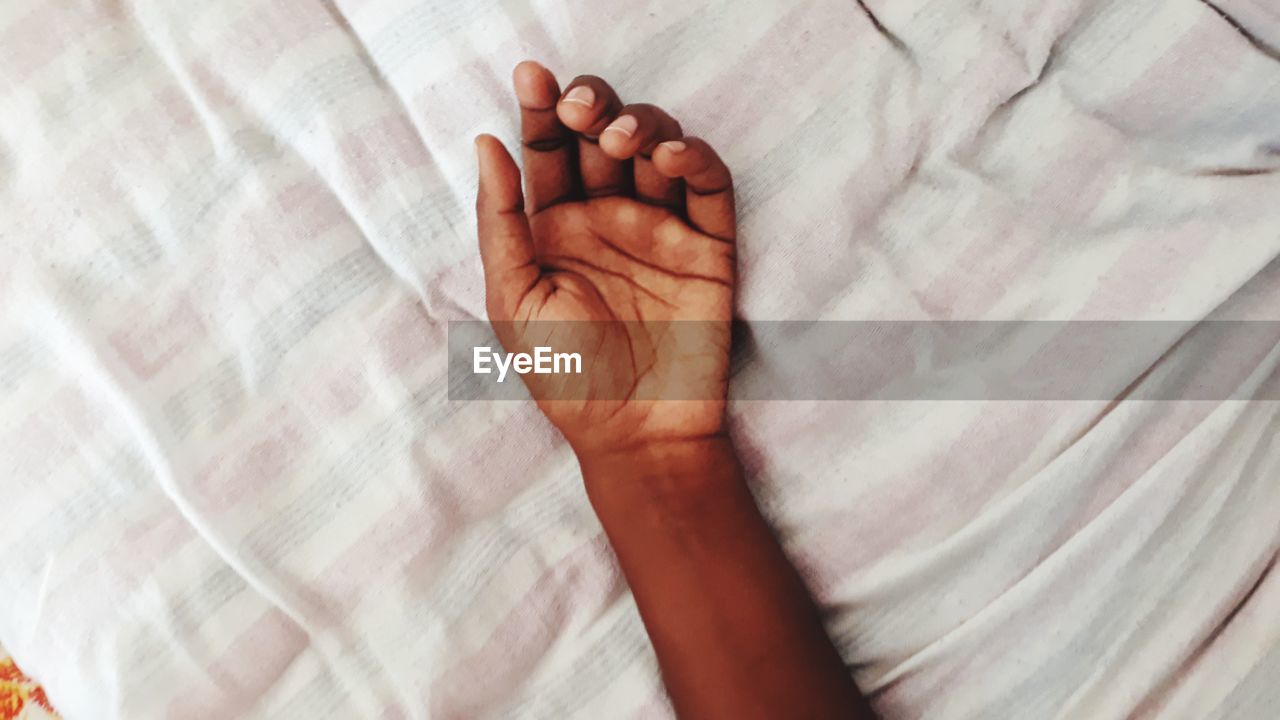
[{"x": 1132, "y": 495}]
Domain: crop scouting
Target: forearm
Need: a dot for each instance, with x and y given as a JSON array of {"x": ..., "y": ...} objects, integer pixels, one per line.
[{"x": 733, "y": 627}]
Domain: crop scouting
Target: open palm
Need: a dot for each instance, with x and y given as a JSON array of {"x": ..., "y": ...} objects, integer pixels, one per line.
[{"x": 623, "y": 254}]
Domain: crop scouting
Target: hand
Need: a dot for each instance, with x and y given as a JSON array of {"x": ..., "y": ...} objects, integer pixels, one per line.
[{"x": 632, "y": 232}]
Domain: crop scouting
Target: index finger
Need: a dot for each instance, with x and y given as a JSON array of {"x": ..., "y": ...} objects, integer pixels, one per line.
[{"x": 550, "y": 167}]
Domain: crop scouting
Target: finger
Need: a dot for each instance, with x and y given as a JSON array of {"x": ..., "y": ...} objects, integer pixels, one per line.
[
  {"x": 637, "y": 129},
  {"x": 506, "y": 243},
  {"x": 708, "y": 184},
  {"x": 601, "y": 174},
  {"x": 635, "y": 133},
  {"x": 548, "y": 146},
  {"x": 588, "y": 105}
]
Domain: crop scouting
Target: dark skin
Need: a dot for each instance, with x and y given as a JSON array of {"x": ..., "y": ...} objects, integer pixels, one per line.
[{"x": 623, "y": 218}]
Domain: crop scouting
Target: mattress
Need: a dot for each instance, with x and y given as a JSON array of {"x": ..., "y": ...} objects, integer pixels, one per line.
[{"x": 235, "y": 233}]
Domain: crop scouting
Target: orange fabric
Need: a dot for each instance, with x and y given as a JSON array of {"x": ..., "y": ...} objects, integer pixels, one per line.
[{"x": 21, "y": 698}]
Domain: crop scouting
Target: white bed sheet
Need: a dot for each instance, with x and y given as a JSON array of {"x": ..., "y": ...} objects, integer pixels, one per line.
[{"x": 234, "y": 231}]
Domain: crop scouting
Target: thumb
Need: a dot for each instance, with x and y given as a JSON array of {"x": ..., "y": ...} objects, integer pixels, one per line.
[{"x": 506, "y": 243}]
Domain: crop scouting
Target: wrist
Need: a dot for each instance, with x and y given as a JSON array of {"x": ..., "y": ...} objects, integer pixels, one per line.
[
  {"x": 675, "y": 475},
  {"x": 655, "y": 459}
]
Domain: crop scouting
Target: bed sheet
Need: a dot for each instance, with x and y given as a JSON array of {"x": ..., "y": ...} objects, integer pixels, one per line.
[{"x": 234, "y": 232}]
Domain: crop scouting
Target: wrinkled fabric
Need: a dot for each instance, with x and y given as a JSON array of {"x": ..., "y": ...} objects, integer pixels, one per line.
[{"x": 234, "y": 232}]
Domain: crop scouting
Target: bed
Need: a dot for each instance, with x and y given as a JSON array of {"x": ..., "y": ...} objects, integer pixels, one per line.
[{"x": 235, "y": 232}]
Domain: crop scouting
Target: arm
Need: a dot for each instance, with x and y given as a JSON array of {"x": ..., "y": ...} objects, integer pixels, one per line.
[
  {"x": 733, "y": 627},
  {"x": 625, "y": 218}
]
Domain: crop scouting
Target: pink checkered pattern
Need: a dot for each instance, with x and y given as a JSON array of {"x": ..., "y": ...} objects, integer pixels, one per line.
[{"x": 234, "y": 231}]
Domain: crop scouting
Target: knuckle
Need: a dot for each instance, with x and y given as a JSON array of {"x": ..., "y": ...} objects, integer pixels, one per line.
[
  {"x": 642, "y": 114},
  {"x": 547, "y": 144}
]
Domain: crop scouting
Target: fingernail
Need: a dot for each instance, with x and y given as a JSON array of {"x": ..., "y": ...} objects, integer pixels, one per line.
[
  {"x": 581, "y": 95},
  {"x": 674, "y": 146},
  {"x": 625, "y": 124}
]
